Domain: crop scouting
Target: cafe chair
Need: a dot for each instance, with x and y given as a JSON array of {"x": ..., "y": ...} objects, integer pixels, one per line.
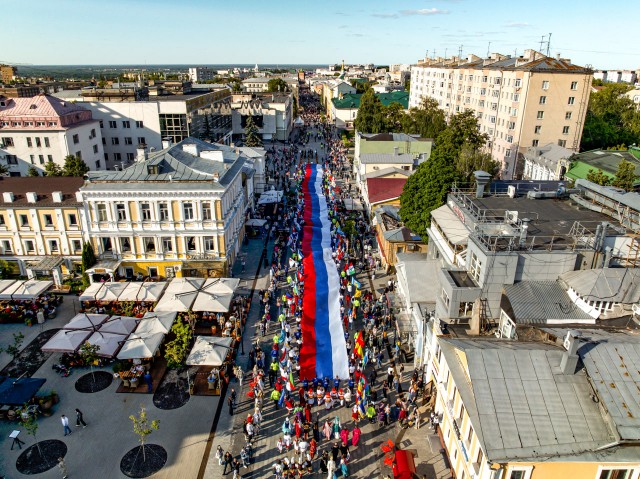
[{"x": 125, "y": 383}]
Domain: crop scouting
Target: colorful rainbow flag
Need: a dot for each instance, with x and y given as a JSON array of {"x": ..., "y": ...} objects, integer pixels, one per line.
[{"x": 324, "y": 351}]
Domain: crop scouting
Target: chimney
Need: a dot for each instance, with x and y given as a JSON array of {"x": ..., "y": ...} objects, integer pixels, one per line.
[
  {"x": 166, "y": 142},
  {"x": 32, "y": 197},
  {"x": 523, "y": 231},
  {"x": 215, "y": 155},
  {"x": 57, "y": 196},
  {"x": 482, "y": 179},
  {"x": 141, "y": 152},
  {"x": 570, "y": 357},
  {"x": 7, "y": 197},
  {"x": 191, "y": 148},
  {"x": 396, "y": 151},
  {"x": 216, "y": 177},
  {"x": 79, "y": 197}
]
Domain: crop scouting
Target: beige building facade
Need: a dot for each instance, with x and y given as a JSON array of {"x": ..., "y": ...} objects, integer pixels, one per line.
[{"x": 520, "y": 102}]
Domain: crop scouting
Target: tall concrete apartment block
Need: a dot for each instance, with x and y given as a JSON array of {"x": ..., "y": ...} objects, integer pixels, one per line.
[
  {"x": 524, "y": 101},
  {"x": 199, "y": 74}
]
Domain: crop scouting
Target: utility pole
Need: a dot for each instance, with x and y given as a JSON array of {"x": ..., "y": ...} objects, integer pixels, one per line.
[{"x": 488, "y": 49}]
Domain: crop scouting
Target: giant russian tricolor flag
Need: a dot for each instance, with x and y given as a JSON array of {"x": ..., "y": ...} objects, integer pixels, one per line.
[{"x": 324, "y": 351}]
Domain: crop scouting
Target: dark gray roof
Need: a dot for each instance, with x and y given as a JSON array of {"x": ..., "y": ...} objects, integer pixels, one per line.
[
  {"x": 387, "y": 171},
  {"x": 618, "y": 285},
  {"x": 391, "y": 158},
  {"x": 392, "y": 137},
  {"x": 543, "y": 302},
  {"x": 520, "y": 403},
  {"x": 417, "y": 272},
  {"x": 175, "y": 165}
]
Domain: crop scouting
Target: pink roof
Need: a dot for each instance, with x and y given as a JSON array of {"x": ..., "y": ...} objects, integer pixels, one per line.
[
  {"x": 384, "y": 189},
  {"x": 39, "y": 106}
]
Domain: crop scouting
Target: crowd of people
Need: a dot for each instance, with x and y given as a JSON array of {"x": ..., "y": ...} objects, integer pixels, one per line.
[{"x": 311, "y": 403}]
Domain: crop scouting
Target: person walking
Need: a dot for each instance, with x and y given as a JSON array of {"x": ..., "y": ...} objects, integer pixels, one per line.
[
  {"x": 230, "y": 402},
  {"x": 220, "y": 454},
  {"x": 149, "y": 380},
  {"x": 235, "y": 467},
  {"x": 65, "y": 424},
  {"x": 228, "y": 461},
  {"x": 63, "y": 468},
  {"x": 80, "y": 419}
]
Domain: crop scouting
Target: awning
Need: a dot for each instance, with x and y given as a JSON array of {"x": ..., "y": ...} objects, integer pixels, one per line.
[
  {"x": 140, "y": 347},
  {"x": 104, "y": 267},
  {"x": 66, "y": 341},
  {"x": 148, "y": 291},
  {"x": 17, "y": 392},
  {"x": 353, "y": 205},
  {"x": 28, "y": 290},
  {"x": 119, "y": 324},
  {"x": 156, "y": 322},
  {"x": 257, "y": 222},
  {"x": 108, "y": 343},
  {"x": 8, "y": 291},
  {"x": 449, "y": 223},
  {"x": 5, "y": 283},
  {"x": 89, "y": 294},
  {"x": 209, "y": 351},
  {"x": 271, "y": 196},
  {"x": 86, "y": 321},
  {"x": 47, "y": 263}
]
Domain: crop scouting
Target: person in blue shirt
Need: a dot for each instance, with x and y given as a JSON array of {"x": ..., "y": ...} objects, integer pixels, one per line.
[{"x": 336, "y": 382}]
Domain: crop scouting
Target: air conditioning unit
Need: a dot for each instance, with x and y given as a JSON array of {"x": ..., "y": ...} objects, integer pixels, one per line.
[{"x": 511, "y": 191}]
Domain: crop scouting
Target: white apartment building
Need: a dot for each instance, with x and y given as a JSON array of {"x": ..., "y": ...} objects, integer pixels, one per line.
[
  {"x": 272, "y": 114},
  {"x": 43, "y": 128},
  {"x": 197, "y": 74},
  {"x": 255, "y": 85},
  {"x": 520, "y": 102}
]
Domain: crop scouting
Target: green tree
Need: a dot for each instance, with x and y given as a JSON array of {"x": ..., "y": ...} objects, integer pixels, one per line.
[
  {"x": 360, "y": 86},
  {"x": 470, "y": 160},
  {"x": 251, "y": 133},
  {"x": 14, "y": 348},
  {"x": 89, "y": 354},
  {"x": 371, "y": 117},
  {"x": 88, "y": 260},
  {"x": 598, "y": 177},
  {"x": 427, "y": 120},
  {"x": 394, "y": 117},
  {"x": 5, "y": 269},
  {"x": 625, "y": 175},
  {"x": 277, "y": 85},
  {"x": 236, "y": 85},
  {"x": 30, "y": 423},
  {"x": 52, "y": 169},
  {"x": 4, "y": 170},
  {"x": 74, "y": 166},
  {"x": 176, "y": 350},
  {"x": 33, "y": 171},
  {"x": 142, "y": 427}
]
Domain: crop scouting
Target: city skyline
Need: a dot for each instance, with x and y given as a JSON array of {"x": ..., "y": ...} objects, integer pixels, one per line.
[{"x": 358, "y": 32}]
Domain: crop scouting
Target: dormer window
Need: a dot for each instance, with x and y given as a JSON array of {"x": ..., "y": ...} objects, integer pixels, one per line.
[
  {"x": 152, "y": 169},
  {"x": 33, "y": 107}
]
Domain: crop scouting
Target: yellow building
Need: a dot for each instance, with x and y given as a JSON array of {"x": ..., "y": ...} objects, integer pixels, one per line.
[
  {"x": 528, "y": 410},
  {"x": 393, "y": 237},
  {"x": 41, "y": 225},
  {"x": 176, "y": 212},
  {"x": 520, "y": 102}
]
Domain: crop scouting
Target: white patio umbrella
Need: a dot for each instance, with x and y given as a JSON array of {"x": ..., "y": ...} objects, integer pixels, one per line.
[
  {"x": 89, "y": 294},
  {"x": 109, "y": 343},
  {"x": 149, "y": 291},
  {"x": 31, "y": 289},
  {"x": 257, "y": 222},
  {"x": 66, "y": 341},
  {"x": 138, "y": 347},
  {"x": 119, "y": 324},
  {"x": 153, "y": 322},
  {"x": 214, "y": 302},
  {"x": 209, "y": 351},
  {"x": 5, "y": 283},
  {"x": 221, "y": 285},
  {"x": 180, "y": 294},
  {"x": 110, "y": 291},
  {"x": 86, "y": 321},
  {"x": 9, "y": 290}
]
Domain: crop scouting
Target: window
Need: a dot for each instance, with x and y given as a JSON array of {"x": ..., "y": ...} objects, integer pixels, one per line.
[
  {"x": 545, "y": 84},
  {"x": 562, "y": 143},
  {"x": 475, "y": 267},
  {"x": 567, "y": 115},
  {"x": 187, "y": 211},
  {"x": 465, "y": 309},
  {"x": 6, "y": 247},
  {"x": 537, "y": 129},
  {"x": 117, "y": 156},
  {"x": 106, "y": 156},
  {"x": 115, "y": 140},
  {"x": 48, "y": 220},
  {"x": 534, "y": 143},
  {"x": 102, "y": 212},
  {"x": 153, "y": 271},
  {"x": 139, "y": 124},
  {"x": 141, "y": 140},
  {"x": 149, "y": 244},
  {"x": 543, "y": 100},
  {"x": 95, "y": 149},
  {"x": 53, "y": 246},
  {"x": 145, "y": 211},
  {"x": 516, "y": 97},
  {"x": 29, "y": 142},
  {"x": 167, "y": 245},
  {"x": 113, "y": 124},
  {"x": 565, "y": 130},
  {"x": 209, "y": 244},
  {"x": 104, "y": 140},
  {"x": 76, "y": 139},
  {"x": 128, "y": 140},
  {"x": 125, "y": 245},
  {"x": 130, "y": 157},
  {"x": 610, "y": 473},
  {"x": 107, "y": 245},
  {"x": 49, "y": 157},
  {"x": 572, "y": 100},
  {"x": 511, "y": 125},
  {"x": 92, "y": 135},
  {"x": 445, "y": 298},
  {"x": 32, "y": 158},
  {"x": 574, "y": 85},
  {"x": 101, "y": 124},
  {"x": 76, "y": 246},
  {"x": 78, "y": 155},
  {"x": 520, "y": 472},
  {"x": 191, "y": 243},
  {"x": 46, "y": 142},
  {"x": 507, "y": 153},
  {"x": 29, "y": 246},
  {"x": 11, "y": 159},
  {"x": 540, "y": 115},
  {"x": 73, "y": 219},
  {"x": 518, "y": 83},
  {"x": 121, "y": 210},
  {"x": 163, "y": 211},
  {"x": 24, "y": 221},
  {"x": 98, "y": 164},
  {"x": 2, "y": 223},
  {"x": 126, "y": 124},
  {"x": 7, "y": 141},
  {"x": 206, "y": 211}
]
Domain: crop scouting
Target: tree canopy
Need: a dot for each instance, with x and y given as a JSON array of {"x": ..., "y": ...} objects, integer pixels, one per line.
[
  {"x": 251, "y": 133},
  {"x": 612, "y": 119},
  {"x": 625, "y": 176},
  {"x": 52, "y": 169},
  {"x": 74, "y": 166},
  {"x": 277, "y": 84}
]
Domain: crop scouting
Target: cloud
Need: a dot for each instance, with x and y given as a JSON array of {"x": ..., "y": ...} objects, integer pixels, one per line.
[
  {"x": 356, "y": 35},
  {"x": 518, "y": 25},
  {"x": 343, "y": 26},
  {"x": 385, "y": 15},
  {"x": 424, "y": 11}
]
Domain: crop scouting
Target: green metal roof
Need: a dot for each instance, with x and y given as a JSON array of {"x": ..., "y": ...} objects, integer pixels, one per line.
[
  {"x": 352, "y": 100},
  {"x": 606, "y": 161},
  {"x": 581, "y": 170}
]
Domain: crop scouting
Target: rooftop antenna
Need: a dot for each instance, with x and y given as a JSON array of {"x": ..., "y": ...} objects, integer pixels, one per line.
[
  {"x": 488, "y": 49},
  {"x": 548, "y": 44},
  {"x": 541, "y": 42},
  {"x": 460, "y": 51},
  {"x": 445, "y": 53}
]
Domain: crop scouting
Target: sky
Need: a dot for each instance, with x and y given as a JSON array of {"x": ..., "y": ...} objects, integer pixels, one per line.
[{"x": 75, "y": 32}]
